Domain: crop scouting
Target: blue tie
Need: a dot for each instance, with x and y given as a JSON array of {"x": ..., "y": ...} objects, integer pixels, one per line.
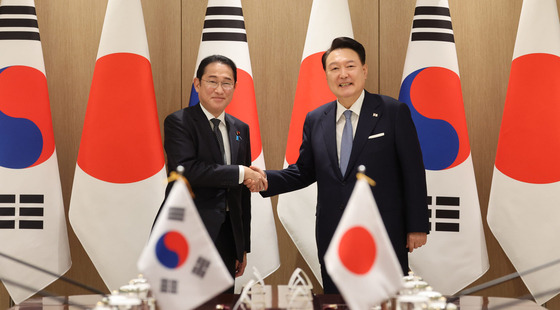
[{"x": 346, "y": 143}]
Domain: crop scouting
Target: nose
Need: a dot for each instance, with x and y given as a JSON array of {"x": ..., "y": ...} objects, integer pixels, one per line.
[{"x": 219, "y": 89}]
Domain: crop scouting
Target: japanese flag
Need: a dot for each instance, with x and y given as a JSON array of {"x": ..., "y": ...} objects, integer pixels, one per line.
[
  {"x": 523, "y": 207},
  {"x": 329, "y": 19},
  {"x": 120, "y": 178},
  {"x": 360, "y": 259}
]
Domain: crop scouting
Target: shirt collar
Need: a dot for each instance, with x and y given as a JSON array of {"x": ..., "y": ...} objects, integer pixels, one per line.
[
  {"x": 355, "y": 107},
  {"x": 221, "y": 117}
]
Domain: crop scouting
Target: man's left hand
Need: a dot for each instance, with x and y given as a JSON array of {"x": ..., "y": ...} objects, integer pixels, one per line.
[
  {"x": 240, "y": 267},
  {"x": 415, "y": 240}
]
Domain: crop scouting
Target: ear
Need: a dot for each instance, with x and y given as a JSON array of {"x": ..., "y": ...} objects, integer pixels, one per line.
[
  {"x": 365, "y": 69},
  {"x": 196, "y": 83}
]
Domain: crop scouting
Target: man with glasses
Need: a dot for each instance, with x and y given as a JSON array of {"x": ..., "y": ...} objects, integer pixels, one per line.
[{"x": 214, "y": 149}]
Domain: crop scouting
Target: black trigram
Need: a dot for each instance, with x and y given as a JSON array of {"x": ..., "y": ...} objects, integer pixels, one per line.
[
  {"x": 444, "y": 214},
  {"x": 176, "y": 214},
  {"x": 169, "y": 286},
  {"x": 432, "y": 23},
  {"x": 18, "y": 23},
  {"x": 201, "y": 266},
  {"x": 224, "y": 23},
  {"x": 28, "y": 215}
]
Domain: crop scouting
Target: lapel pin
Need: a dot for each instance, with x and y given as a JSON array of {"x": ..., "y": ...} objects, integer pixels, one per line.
[
  {"x": 237, "y": 135},
  {"x": 375, "y": 115}
]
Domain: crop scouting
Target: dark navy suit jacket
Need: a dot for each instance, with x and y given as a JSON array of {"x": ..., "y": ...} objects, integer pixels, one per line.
[
  {"x": 386, "y": 143},
  {"x": 190, "y": 142}
]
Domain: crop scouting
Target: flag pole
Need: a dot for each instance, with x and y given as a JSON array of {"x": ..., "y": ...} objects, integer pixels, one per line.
[
  {"x": 503, "y": 279},
  {"x": 81, "y": 285}
]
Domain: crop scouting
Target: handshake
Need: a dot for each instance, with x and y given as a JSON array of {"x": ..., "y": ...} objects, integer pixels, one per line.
[{"x": 255, "y": 179}]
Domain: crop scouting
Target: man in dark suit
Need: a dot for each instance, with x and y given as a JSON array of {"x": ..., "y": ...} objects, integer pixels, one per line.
[
  {"x": 214, "y": 149},
  {"x": 377, "y": 132}
]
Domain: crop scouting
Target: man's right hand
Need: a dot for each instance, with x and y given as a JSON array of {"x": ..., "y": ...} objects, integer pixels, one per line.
[{"x": 255, "y": 179}]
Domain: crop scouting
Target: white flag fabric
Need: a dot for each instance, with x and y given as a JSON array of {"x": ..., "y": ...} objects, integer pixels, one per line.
[
  {"x": 120, "y": 178},
  {"x": 224, "y": 34},
  {"x": 431, "y": 88},
  {"x": 329, "y": 19},
  {"x": 32, "y": 221},
  {"x": 523, "y": 205},
  {"x": 180, "y": 260},
  {"x": 360, "y": 258}
]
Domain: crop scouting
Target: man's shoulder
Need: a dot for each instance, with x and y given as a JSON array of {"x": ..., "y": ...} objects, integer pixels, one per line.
[
  {"x": 383, "y": 99},
  {"x": 323, "y": 109},
  {"x": 183, "y": 113},
  {"x": 234, "y": 120},
  {"x": 387, "y": 103}
]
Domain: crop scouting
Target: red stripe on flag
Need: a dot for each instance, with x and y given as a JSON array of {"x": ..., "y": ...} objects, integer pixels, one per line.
[
  {"x": 243, "y": 105},
  {"x": 529, "y": 141},
  {"x": 121, "y": 141},
  {"x": 312, "y": 91}
]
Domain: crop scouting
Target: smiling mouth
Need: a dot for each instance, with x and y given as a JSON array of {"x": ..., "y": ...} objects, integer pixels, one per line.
[{"x": 344, "y": 84}]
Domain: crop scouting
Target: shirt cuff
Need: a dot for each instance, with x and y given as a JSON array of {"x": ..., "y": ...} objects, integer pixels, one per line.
[{"x": 241, "y": 173}]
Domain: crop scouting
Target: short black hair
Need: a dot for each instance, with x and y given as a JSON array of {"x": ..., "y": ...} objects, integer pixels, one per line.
[
  {"x": 345, "y": 42},
  {"x": 216, "y": 58}
]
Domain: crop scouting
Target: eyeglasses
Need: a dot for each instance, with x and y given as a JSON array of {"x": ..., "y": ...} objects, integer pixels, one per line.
[{"x": 214, "y": 84}]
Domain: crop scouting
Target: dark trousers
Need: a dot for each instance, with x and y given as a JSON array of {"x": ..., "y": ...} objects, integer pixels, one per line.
[
  {"x": 328, "y": 285},
  {"x": 226, "y": 247}
]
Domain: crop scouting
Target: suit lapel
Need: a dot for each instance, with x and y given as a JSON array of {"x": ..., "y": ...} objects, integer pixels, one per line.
[
  {"x": 232, "y": 135},
  {"x": 328, "y": 124},
  {"x": 369, "y": 116},
  {"x": 207, "y": 134}
]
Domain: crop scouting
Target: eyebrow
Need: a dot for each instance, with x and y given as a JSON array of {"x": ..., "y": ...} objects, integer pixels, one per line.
[
  {"x": 338, "y": 63},
  {"x": 216, "y": 77}
]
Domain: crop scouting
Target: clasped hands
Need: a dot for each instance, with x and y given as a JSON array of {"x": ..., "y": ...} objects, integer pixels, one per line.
[{"x": 255, "y": 179}]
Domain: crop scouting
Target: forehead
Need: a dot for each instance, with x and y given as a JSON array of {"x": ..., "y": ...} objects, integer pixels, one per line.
[
  {"x": 218, "y": 69},
  {"x": 343, "y": 55}
]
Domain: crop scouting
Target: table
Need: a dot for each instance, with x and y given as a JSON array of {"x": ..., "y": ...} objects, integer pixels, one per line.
[{"x": 321, "y": 302}]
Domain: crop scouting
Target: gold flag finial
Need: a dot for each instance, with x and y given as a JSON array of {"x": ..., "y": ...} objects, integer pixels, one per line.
[
  {"x": 175, "y": 175},
  {"x": 362, "y": 175}
]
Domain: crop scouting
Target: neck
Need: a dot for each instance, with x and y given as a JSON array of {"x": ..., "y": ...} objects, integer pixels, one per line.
[{"x": 348, "y": 102}]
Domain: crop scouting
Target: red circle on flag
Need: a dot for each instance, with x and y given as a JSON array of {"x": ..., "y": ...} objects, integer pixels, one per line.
[
  {"x": 529, "y": 141},
  {"x": 121, "y": 140},
  {"x": 243, "y": 105},
  {"x": 312, "y": 91},
  {"x": 357, "y": 250}
]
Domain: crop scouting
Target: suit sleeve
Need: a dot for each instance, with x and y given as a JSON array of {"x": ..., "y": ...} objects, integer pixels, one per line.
[
  {"x": 246, "y": 200},
  {"x": 181, "y": 147},
  {"x": 298, "y": 175},
  {"x": 413, "y": 172}
]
